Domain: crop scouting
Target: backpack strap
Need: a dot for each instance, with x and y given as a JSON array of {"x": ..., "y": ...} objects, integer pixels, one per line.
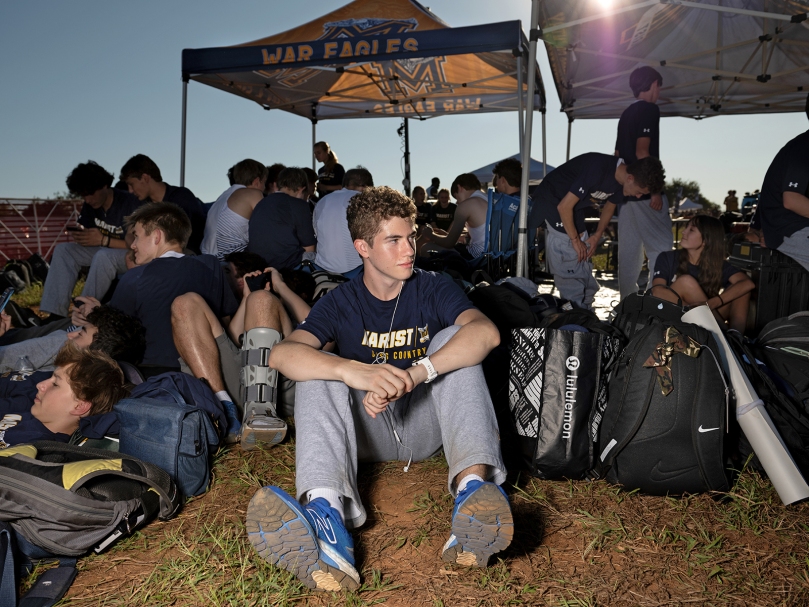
[
  {"x": 51, "y": 586},
  {"x": 8, "y": 572}
]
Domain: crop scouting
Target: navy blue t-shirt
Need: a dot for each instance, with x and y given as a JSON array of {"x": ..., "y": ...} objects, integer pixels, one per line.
[
  {"x": 590, "y": 177},
  {"x": 147, "y": 292},
  {"x": 332, "y": 177},
  {"x": 110, "y": 222},
  {"x": 17, "y": 425},
  {"x": 667, "y": 262},
  {"x": 641, "y": 119},
  {"x": 789, "y": 172},
  {"x": 360, "y": 324},
  {"x": 280, "y": 227},
  {"x": 424, "y": 214},
  {"x": 193, "y": 207}
]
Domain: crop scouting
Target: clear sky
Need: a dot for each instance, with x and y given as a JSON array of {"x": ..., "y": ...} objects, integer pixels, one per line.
[{"x": 100, "y": 79}]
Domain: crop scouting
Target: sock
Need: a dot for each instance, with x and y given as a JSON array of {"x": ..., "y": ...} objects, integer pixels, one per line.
[
  {"x": 466, "y": 479},
  {"x": 222, "y": 395},
  {"x": 330, "y": 495}
]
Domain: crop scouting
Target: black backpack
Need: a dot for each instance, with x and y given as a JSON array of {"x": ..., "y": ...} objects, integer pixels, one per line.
[
  {"x": 790, "y": 418},
  {"x": 670, "y": 444},
  {"x": 783, "y": 345},
  {"x": 637, "y": 310}
]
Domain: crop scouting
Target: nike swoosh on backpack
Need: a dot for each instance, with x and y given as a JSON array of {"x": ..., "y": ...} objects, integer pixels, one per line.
[
  {"x": 657, "y": 475},
  {"x": 701, "y": 429}
]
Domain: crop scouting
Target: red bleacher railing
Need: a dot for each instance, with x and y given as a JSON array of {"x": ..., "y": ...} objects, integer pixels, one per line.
[{"x": 29, "y": 226}]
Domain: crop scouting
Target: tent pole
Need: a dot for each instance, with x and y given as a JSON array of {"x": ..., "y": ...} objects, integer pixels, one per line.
[
  {"x": 569, "y": 128},
  {"x": 182, "y": 136},
  {"x": 544, "y": 148},
  {"x": 314, "y": 141},
  {"x": 407, "y": 158},
  {"x": 521, "y": 101},
  {"x": 522, "y": 234}
]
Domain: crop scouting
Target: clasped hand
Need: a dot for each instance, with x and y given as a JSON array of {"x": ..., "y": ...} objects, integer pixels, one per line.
[{"x": 383, "y": 384}]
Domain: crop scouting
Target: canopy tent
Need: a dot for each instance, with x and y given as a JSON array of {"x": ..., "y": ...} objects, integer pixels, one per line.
[
  {"x": 537, "y": 170},
  {"x": 688, "y": 205},
  {"x": 380, "y": 58},
  {"x": 716, "y": 56}
]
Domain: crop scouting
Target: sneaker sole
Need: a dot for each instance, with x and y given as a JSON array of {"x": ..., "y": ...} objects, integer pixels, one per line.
[
  {"x": 250, "y": 437},
  {"x": 283, "y": 537},
  {"x": 482, "y": 526}
]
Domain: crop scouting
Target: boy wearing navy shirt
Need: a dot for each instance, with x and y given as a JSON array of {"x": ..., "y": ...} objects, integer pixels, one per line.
[
  {"x": 99, "y": 243},
  {"x": 143, "y": 178},
  {"x": 397, "y": 330},
  {"x": 160, "y": 231},
  {"x": 48, "y": 406},
  {"x": 783, "y": 206},
  {"x": 559, "y": 203},
  {"x": 646, "y": 225}
]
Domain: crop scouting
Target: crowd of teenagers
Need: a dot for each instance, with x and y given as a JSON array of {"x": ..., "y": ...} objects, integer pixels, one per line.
[{"x": 385, "y": 367}]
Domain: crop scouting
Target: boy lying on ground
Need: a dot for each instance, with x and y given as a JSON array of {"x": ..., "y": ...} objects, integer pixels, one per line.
[
  {"x": 104, "y": 328},
  {"x": 85, "y": 382},
  {"x": 397, "y": 329}
]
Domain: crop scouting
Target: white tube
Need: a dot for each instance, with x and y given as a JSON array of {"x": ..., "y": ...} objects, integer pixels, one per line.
[{"x": 754, "y": 419}]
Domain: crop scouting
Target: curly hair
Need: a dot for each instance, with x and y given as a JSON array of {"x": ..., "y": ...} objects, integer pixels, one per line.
[
  {"x": 370, "y": 208},
  {"x": 164, "y": 216},
  {"x": 93, "y": 376},
  {"x": 119, "y": 335},
  {"x": 648, "y": 173},
  {"x": 88, "y": 177}
]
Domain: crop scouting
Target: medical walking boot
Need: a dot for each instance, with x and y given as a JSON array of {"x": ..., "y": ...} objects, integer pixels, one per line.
[{"x": 260, "y": 390}]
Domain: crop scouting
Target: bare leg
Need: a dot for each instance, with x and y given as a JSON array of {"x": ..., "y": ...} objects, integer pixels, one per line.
[
  {"x": 735, "y": 313},
  {"x": 690, "y": 293},
  {"x": 195, "y": 329},
  {"x": 265, "y": 310}
]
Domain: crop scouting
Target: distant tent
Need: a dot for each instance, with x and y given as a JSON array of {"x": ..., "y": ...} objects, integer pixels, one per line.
[
  {"x": 687, "y": 204},
  {"x": 484, "y": 174}
]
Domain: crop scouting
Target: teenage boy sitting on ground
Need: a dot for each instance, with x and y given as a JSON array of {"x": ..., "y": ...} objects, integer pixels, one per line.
[
  {"x": 560, "y": 202},
  {"x": 241, "y": 375},
  {"x": 100, "y": 244},
  {"x": 397, "y": 329},
  {"x": 105, "y": 329},
  {"x": 85, "y": 382},
  {"x": 160, "y": 231},
  {"x": 142, "y": 177}
]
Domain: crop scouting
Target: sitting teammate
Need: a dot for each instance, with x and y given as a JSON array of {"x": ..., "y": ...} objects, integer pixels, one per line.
[
  {"x": 239, "y": 376},
  {"x": 560, "y": 201},
  {"x": 471, "y": 211},
  {"x": 698, "y": 273},
  {"x": 105, "y": 329},
  {"x": 397, "y": 330},
  {"x": 85, "y": 382}
]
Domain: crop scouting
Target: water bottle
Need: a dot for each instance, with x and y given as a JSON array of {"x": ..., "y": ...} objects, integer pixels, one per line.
[{"x": 24, "y": 366}]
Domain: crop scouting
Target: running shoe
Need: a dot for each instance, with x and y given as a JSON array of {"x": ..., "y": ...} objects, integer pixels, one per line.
[
  {"x": 481, "y": 525},
  {"x": 309, "y": 541}
]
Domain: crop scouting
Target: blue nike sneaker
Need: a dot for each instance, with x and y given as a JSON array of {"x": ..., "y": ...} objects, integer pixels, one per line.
[
  {"x": 309, "y": 541},
  {"x": 234, "y": 422},
  {"x": 481, "y": 525}
]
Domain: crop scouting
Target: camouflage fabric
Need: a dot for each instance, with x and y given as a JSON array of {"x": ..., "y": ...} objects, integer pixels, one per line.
[{"x": 675, "y": 343}]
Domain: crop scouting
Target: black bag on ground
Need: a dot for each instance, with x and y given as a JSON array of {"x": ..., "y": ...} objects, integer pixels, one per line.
[
  {"x": 673, "y": 443},
  {"x": 558, "y": 380},
  {"x": 788, "y": 415},
  {"x": 68, "y": 500},
  {"x": 39, "y": 267},
  {"x": 783, "y": 345},
  {"x": 505, "y": 308},
  {"x": 639, "y": 310}
]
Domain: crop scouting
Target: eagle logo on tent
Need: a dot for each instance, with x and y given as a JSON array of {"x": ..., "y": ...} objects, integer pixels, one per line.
[{"x": 414, "y": 76}]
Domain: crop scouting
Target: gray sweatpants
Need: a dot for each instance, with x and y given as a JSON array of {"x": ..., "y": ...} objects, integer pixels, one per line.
[
  {"x": 334, "y": 432},
  {"x": 641, "y": 228},
  {"x": 68, "y": 259},
  {"x": 797, "y": 247},
  {"x": 573, "y": 278},
  {"x": 107, "y": 264}
]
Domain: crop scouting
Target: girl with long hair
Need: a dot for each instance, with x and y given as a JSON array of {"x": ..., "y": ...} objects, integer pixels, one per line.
[
  {"x": 698, "y": 273},
  {"x": 330, "y": 175}
]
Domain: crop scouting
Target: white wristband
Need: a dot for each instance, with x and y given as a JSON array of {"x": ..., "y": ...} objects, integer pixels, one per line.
[{"x": 428, "y": 364}]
